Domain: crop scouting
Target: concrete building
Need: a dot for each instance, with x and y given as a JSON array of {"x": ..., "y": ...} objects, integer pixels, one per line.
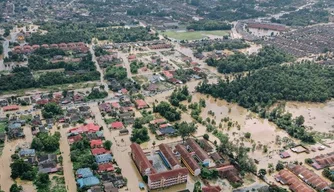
[
  {"x": 200, "y": 153},
  {"x": 188, "y": 160},
  {"x": 167, "y": 178}
]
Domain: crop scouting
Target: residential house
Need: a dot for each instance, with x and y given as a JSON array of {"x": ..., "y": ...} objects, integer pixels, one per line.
[
  {"x": 106, "y": 167},
  {"x": 230, "y": 173},
  {"x": 117, "y": 125},
  {"x": 99, "y": 151},
  {"x": 10, "y": 108},
  {"x": 105, "y": 107},
  {"x": 27, "y": 153},
  {"x": 211, "y": 189},
  {"x": 323, "y": 161},
  {"x": 103, "y": 158},
  {"x": 84, "y": 172},
  {"x": 285, "y": 177},
  {"x": 88, "y": 181},
  {"x": 96, "y": 143},
  {"x": 141, "y": 104}
]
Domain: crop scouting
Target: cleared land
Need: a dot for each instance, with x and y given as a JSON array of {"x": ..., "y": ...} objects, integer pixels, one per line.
[{"x": 186, "y": 35}]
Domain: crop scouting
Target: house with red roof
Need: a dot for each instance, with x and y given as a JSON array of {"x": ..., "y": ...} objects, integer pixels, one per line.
[
  {"x": 168, "y": 74},
  {"x": 42, "y": 101},
  {"x": 105, "y": 107},
  {"x": 99, "y": 151},
  {"x": 11, "y": 108},
  {"x": 117, "y": 125},
  {"x": 90, "y": 127},
  {"x": 124, "y": 91},
  {"x": 73, "y": 139},
  {"x": 211, "y": 189},
  {"x": 96, "y": 143},
  {"x": 132, "y": 58},
  {"x": 106, "y": 167},
  {"x": 141, "y": 104},
  {"x": 115, "y": 105}
]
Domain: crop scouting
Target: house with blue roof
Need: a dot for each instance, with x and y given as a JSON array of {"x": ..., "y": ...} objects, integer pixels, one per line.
[
  {"x": 27, "y": 153},
  {"x": 103, "y": 158},
  {"x": 84, "y": 172},
  {"x": 88, "y": 181},
  {"x": 14, "y": 126}
]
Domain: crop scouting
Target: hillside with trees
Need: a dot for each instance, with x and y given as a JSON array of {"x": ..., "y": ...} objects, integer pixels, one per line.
[{"x": 239, "y": 62}]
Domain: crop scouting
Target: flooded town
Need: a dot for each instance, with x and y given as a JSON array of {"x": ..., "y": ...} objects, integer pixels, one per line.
[{"x": 176, "y": 96}]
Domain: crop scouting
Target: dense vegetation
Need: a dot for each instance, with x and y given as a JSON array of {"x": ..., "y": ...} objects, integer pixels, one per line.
[
  {"x": 230, "y": 45},
  {"x": 167, "y": 111},
  {"x": 51, "y": 110},
  {"x": 298, "y": 82},
  {"x": 208, "y": 25},
  {"x": 178, "y": 95},
  {"x": 328, "y": 174},
  {"x": 46, "y": 142},
  {"x": 303, "y": 17},
  {"x": 238, "y": 62},
  {"x": 23, "y": 170},
  {"x": 97, "y": 94},
  {"x": 22, "y": 78},
  {"x": 81, "y": 155},
  {"x": 118, "y": 73},
  {"x": 134, "y": 66},
  {"x": 140, "y": 135},
  {"x": 84, "y": 32}
]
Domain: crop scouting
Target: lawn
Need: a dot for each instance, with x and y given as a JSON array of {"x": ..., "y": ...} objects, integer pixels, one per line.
[{"x": 194, "y": 35}]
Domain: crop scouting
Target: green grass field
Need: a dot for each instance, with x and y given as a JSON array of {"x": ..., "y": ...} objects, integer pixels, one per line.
[
  {"x": 194, "y": 35},
  {"x": 2, "y": 127}
]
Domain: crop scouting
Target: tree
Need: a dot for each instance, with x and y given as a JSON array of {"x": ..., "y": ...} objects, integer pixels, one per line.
[
  {"x": 206, "y": 136},
  {"x": 51, "y": 110},
  {"x": 300, "y": 120},
  {"x": 279, "y": 166},
  {"x": 140, "y": 135},
  {"x": 262, "y": 173},
  {"x": 42, "y": 181},
  {"x": 248, "y": 135},
  {"x": 22, "y": 169},
  {"x": 197, "y": 187},
  {"x": 185, "y": 129},
  {"x": 15, "y": 188},
  {"x": 107, "y": 144}
]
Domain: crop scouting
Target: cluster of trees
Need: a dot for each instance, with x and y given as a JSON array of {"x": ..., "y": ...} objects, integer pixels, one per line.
[
  {"x": 134, "y": 66},
  {"x": 14, "y": 58},
  {"x": 23, "y": 170},
  {"x": 66, "y": 32},
  {"x": 42, "y": 182},
  {"x": 178, "y": 95},
  {"x": 208, "y": 25},
  {"x": 99, "y": 51},
  {"x": 97, "y": 94},
  {"x": 197, "y": 109},
  {"x": 118, "y": 73},
  {"x": 46, "y": 142},
  {"x": 51, "y": 110},
  {"x": 239, "y": 62},
  {"x": 296, "y": 82},
  {"x": 185, "y": 129},
  {"x": 294, "y": 127},
  {"x": 209, "y": 173},
  {"x": 49, "y": 53},
  {"x": 328, "y": 174},
  {"x": 238, "y": 154},
  {"x": 1, "y": 49},
  {"x": 303, "y": 17},
  {"x": 230, "y": 45},
  {"x": 167, "y": 111},
  {"x": 81, "y": 155},
  {"x": 183, "y": 75},
  {"x": 140, "y": 135}
]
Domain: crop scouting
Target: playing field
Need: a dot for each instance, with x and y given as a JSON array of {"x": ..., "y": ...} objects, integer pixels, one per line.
[{"x": 186, "y": 35}]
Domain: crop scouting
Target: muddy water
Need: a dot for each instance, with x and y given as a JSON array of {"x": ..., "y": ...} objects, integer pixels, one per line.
[
  {"x": 67, "y": 164},
  {"x": 320, "y": 116},
  {"x": 5, "y": 161}
]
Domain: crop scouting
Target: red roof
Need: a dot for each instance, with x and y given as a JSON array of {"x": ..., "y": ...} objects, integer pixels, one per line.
[
  {"x": 158, "y": 121},
  {"x": 174, "y": 173},
  {"x": 187, "y": 157},
  {"x": 96, "y": 143},
  {"x": 132, "y": 57},
  {"x": 115, "y": 105},
  {"x": 197, "y": 149},
  {"x": 267, "y": 26},
  {"x": 141, "y": 103},
  {"x": 140, "y": 158},
  {"x": 106, "y": 167},
  {"x": 117, "y": 125},
  {"x": 42, "y": 101},
  {"x": 91, "y": 127},
  {"x": 11, "y": 108},
  {"x": 284, "y": 154},
  {"x": 73, "y": 139},
  {"x": 168, "y": 74},
  {"x": 124, "y": 91},
  {"x": 167, "y": 152},
  {"x": 164, "y": 125},
  {"x": 296, "y": 185},
  {"x": 99, "y": 151},
  {"x": 211, "y": 189}
]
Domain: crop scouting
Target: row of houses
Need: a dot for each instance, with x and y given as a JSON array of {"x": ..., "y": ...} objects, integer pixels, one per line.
[{"x": 26, "y": 49}]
